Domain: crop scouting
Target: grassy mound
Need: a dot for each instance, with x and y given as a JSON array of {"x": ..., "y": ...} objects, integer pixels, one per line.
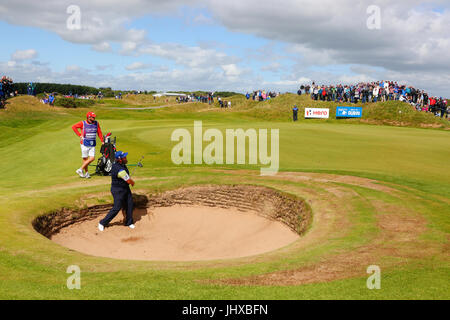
[
  {"x": 394, "y": 113},
  {"x": 391, "y": 113}
]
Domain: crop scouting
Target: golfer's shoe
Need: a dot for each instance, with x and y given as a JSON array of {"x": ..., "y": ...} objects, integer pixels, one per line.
[
  {"x": 131, "y": 226},
  {"x": 101, "y": 227},
  {"x": 87, "y": 175},
  {"x": 80, "y": 173}
]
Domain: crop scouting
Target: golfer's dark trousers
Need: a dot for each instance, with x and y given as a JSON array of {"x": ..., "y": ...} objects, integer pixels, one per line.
[{"x": 122, "y": 199}]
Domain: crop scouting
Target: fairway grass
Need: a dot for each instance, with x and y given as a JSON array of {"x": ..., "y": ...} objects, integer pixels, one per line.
[{"x": 379, "y": 195}]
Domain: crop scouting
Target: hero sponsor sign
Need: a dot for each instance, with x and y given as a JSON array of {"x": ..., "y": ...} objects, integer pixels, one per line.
[
  {"x": 348, "y": 112},
  {"x": 316, "y": 113}
]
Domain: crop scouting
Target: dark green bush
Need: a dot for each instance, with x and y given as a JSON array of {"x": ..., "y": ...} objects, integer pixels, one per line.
[
  {"x": 41, "y": 96},
  {"x": 73, "y": 103}
]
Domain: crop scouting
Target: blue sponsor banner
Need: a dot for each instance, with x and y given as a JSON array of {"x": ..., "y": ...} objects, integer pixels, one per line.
[{"x": 348, "y": 112}]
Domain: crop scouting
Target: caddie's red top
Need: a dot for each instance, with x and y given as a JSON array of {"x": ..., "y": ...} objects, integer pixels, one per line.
[{"x": 80, "y": 125}]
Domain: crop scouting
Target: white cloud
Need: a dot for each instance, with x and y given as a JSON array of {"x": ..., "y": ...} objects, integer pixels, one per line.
[
  {"x": 160, "y": 79},
  {"x": 137, "y": 66},
  {"x": 73, "y": 68},
  {"x": 101, "y": 21},
  {"x": 102, "y": 47},
  {"x": 202, "y": 19},
  {"x": 273, "y": 67},
  {"x": 104, "y": 67},
  {"x": 231, "y": 70},
  {"x": 128, "y": 47},
  {"x": 20, "y": 55},
  {"x": 334, "y": 32},
  {"x": 193, "y": 57}
]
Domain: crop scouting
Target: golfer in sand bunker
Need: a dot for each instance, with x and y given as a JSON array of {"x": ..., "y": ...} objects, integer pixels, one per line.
[{"x": 120, "y": 189}]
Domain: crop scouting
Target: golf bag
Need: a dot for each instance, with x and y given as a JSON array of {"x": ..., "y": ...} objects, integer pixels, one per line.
[{"x": 108, "y": 151}]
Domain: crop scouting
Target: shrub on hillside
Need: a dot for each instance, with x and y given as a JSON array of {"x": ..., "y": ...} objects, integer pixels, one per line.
[
  {"x": 41, "y": 96},
  {"x": 73, "y": 103}
]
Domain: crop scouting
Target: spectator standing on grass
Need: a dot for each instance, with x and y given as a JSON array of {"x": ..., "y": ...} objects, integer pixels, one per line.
[
  {"x": 295, "y": 113},
  {"x": 51, "y": 99},
  {"x": 446, "y": 107},
  {"x": 6, "y": 89},
  {"x": 420, "y": 100},
  {"x": 339, "y": 93},
  {"x": 333, "y": 93},
  {"x": 391, "y": 93},
  {"x": 443, "y": 107},
  {"x": 432, "y": 103},
  {"x": 376, "y": 91}
]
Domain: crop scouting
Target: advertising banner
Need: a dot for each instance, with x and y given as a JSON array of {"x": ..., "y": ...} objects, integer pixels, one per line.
[
  {"x": 315, "y": 113},
  {"x": 348, "y": 112}
]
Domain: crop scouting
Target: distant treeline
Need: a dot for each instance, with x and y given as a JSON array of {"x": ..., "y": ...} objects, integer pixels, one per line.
[
  {"x": 226, "y": 94},
  {"x": 67, "y": 89},
  {"x": 64, "y": 89}
]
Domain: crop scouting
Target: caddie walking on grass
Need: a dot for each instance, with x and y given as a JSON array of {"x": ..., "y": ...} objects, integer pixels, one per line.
[
  {"x": 120, "y": 189},
  {"x": 88, "y": 140}
]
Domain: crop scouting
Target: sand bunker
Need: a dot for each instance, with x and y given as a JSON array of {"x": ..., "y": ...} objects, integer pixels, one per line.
[
  {"x": 190, "y": 224},
  {"x": 180, "y": 234}
]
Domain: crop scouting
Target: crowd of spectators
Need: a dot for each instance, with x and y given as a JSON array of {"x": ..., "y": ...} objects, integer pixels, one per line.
[
  {"x": 204, "y": 98},
  {"x": 224, "y": 103},
  {"x": 77, "y": 96},
  {"x": 184, "y": 99},
  {"x": 378, "y": 91},
  {"x": 261, "y": 95},
  {"x": 48, "y": 99}
]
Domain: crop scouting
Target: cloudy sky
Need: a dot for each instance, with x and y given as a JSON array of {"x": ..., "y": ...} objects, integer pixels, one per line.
[{"x": 236, "y": 45}]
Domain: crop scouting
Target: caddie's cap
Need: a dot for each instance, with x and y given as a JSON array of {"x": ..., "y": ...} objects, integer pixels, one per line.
[{"x": 91, "y": 114}]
